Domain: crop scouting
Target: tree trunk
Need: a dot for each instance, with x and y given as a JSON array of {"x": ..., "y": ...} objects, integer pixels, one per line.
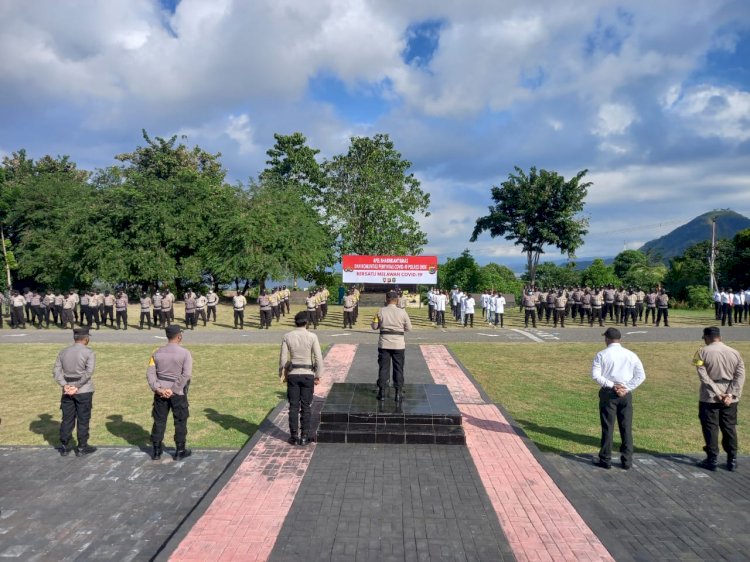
[{"x": 5, "y": 258}]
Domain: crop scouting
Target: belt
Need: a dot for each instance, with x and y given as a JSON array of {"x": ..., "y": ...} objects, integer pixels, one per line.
[
  {"x": 72, "y": 379},
  {"x": 295, "y": 366},
  {"x": 167, "y": 379},
  {"x": 389, "y": 333}
]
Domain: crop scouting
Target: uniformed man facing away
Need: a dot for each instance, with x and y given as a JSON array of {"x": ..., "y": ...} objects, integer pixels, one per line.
[
  {"x": 167, "y": 307},
  {"x": 266, "y": 310},
  {"x": 722, "y": 375},
  {"x": 169, "y": 372},
  {"x": 300, "y": 366},
  {"x": 212, "y": 299},
  {"x": 121, "y": 308},
  {"x": 311, "y": 304},
  {"x": 238, "y": 304},
  {"x": 73, "y": 371},
  {"x": 191, "y": 306},
  {"x": 200, "y": 307},
  {"x": 145, "y": 310},
  {"x": 158, "y": 314},
  {"x": 392, "y": 322},
  {"x": 348, "y": 309}
]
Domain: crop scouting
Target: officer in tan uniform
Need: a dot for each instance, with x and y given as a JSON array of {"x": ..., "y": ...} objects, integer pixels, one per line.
[
  {"x": 324, "y": 295},
  {"x": 529, "y": 306},
  {"x": 169, "y": 372},
  {"x": 300, "y": 366},
  {"x": 285, "y": 294},
  {"x": 560, "y": 304},
  {"x": 109, "y": 309},
  {"x": 266, "y": 310},
  {"x": 722, "y": 375},
  {"x": 238, "y": 304},
  {"x": 73, "y": 371},
  {"x": 311, "y": 303},
  {"x": 275, "y": 299},
  {"x": 348, "y": 309},
  {"x": 393, "y": 322}
]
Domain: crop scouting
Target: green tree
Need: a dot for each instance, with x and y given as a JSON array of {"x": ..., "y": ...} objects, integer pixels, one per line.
[
  {"x": 462, "y": 271},
  {"x": 599, "y": 274},
  {"x": 738, "y": 266},
  {"x": 549, "y": 274},
  {"x": 501, "y": 278},
  {"x": 691, "y": 268},
  {"x": 372, "y": 201},
  {"x": 537, "y": 211},
  {"x": 626, "y": 260},
  {"x": 292, "y": 162}
]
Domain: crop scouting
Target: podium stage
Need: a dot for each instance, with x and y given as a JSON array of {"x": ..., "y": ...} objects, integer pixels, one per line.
[{"x": 427, "y": 415}]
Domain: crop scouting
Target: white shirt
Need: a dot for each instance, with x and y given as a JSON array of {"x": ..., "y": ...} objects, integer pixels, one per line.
[
  {"x": 440, "y": 303},
  {"x": 725, "y": 298},
  {"x": 500, "y": 304},
  {"x": 738, "y": 298},
  {"x": 617, "y": 365},
  {"x": 485, "y": 300},
  {"x": 717, "y": 296},
  {"x": 469, "y": 305}
]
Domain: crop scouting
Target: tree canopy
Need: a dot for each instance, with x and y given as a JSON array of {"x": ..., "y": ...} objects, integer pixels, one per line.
[{"x": 537, "y": 210}]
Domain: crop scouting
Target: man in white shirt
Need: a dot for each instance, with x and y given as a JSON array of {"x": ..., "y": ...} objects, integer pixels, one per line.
[
  {"x": 747, "y": 303},
  {"x": 499, "y": 309},
  {"x": 739, "y": 306},
  {"x": 717, "y": 304},
  {"x": 618, "y": 371},
  {"x": 727, "y": 300},
  {"x": 440, "y": 301},
  {"x": 469, "y": 305}
]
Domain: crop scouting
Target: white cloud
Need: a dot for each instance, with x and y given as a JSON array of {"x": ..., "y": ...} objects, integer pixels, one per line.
[
  {"x": 240, "y": 131},
  {"x": 714, "y": 111},
  {"x": 614, "y": 119}
]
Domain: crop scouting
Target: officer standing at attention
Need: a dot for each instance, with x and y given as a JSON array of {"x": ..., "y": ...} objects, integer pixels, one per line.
[
  {"x": 392, "y": 322},
  {"x": 722, "y": 375},
  {"x": 157, "y": 312},
  {"x": 73, "y": 371},
  {"x": 238, "y": 303},
  {"x": 300, "y": 366},
  {"x": 145, "y": 310},
  {"x": 167, "y": 307},
  {"x": 311, "y": 308},
  {"x": 348, "y": 309},
  {"x": 529, "y": 306},
  {"x": 618, "y": 371},
  {"x": 266, "y": 310},
  {"x": 121, "y": 307},
  {"x": 190, "y": 308},
  {"x": 212, "y": 299},
  {"x": 200, "y": 307},
  {"x": 169, "y": 372}
]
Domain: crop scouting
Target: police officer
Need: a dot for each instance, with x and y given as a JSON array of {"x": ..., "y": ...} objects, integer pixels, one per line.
[
  {"x": 17, "y": 318},
  {"x": 266, "y": 309},
  {"x": 191, "y": 305},
  {"x": 662, "y": 307},
  {"x": 200, "y": 307},
  {"x": 238, "y": 303},
  {"x": 348, "y": 309},
  {"x": 158, "y": 314},
  {"x": 121, "y": 308},
  {"x": 167, "y": 307},
  {"x": 212, "y": 299},
  {"x": 109, "y": 306},
  {"x": 560, "y": 302},
  {"x": 300, "y": 366},
  {"x": 311, "y": 309},
  {"x": 73, "y": 371},
  {"x": 145, "y": 310},
  {"x": 392, "y": 322},
  {"x": 529, "y": 305},
  {"x": 722, "y": 375},
  {"x": 169, "y": 372}
]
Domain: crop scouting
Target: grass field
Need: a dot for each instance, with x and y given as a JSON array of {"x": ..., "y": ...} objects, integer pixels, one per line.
[
  {"x": 549, "y": 391},
  {"x": 233, "y": 389},
  {"x": 334, "y": 321}
]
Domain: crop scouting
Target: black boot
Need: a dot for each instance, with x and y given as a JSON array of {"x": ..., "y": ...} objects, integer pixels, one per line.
[
  {"x": 304, "y": 440},
  {"x": 293, "y": 440},
  {"x": 85, "y": 449},
  {"x": 398, "y": 396},
  {"x": 65, "y": 449},
  {"x": 158, "y": 449},
  {"x": 709, "y": 463},
  {"x": 182, "y": 452},
  {"x": 731, "y": 463},
  {"x": 381, "y": 394}
]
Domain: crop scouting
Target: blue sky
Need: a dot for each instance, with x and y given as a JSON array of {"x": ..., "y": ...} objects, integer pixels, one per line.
[{"x": 653, "y": 98}]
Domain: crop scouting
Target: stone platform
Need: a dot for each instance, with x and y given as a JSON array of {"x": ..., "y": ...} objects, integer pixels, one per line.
[{"x": 427, "y": 415}]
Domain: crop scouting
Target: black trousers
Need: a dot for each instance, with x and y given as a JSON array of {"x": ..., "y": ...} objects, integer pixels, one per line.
[
  {"x": 36, "y": 315},
  {"x": 348, "y": 318},
  {"x": 276, "y": 313},
  {"x": 122, "y": 315},
  {"x": 586, "y": 312},
  {"x": 212, "y": 310},
  {"x": 108, "y": 313},
  {"x": 726, "y": 313},
  {"x": 201, "y": 313},
  {"x": 664, "y": 312},
  {"x": 596, "y": 316},
  {"x": 299, "y": 392},
  {"x": 76, "y": 412},
  {"x": 738, "y": 313},
  {"x": 180, "y": 414},
  {"x": 323, "y": 309},
  {"x": 239, "y": 318},
  {"x": 286, "y": 304},
  {"x": 385, "y": 358},
  {"x": 717, "y": 309},
  {"x": 190, "y": 319},
  {"x": 530, "y": 313},
  {"x": 499, "y": 318},
  {"x": 430, "y": 313},
  {"x": 266, "y": 316},
  {"x": 440, "y": 318},
  {"x": 145, "y": 316},
  {"x": 559, "y": 317},
  {"x": 469, "y": 319},
  {"x": 639, "y": 310},
  {"x": 613, "y": 407},
  {"x": 717, "y": 417},
  {"x": 17, "y": 318},
  {"x": 652, "y": 311},
  {"x": 312, "y": 317},
  {"x": 548, "y": 313},
  {"x": 631, "y": 313},
  {"x": 609, "y": 308}
]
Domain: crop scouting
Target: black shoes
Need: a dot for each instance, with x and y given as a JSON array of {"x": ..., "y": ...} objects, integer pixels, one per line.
[
  {"x": 399, "y": 396},
  {"x": 626, "y": 465},
  {"x": 292, "y": 440},
  {"x": 731, "y": 463},
  {"x": 601, "y": 464},
  {"x": 65, "y": 450},
  {"x": 381, "y": 394},
  {"x": 182, "y": 452},
  {"x": 158, "y": 449},
  {"x": 304, "y": 440},
  {"x": 85, "y": 450},
  {"x": 708, "y": 464}
]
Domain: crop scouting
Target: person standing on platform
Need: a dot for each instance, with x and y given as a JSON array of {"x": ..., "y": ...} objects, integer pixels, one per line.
[
  {"x": 145, "y": 310},
  {"x": 348, "y": 304},
  {"x": 721, "y": 371},
  {"x": 169, "y": 373},
  {"x": 618, "y": 371},
  {"x": 121, "y": 309},
  {"x": 73, "y": 371},
  {"x": 212, "y": 300},
  {"x": 662, "y": 307},
  {"x": 393, "y": 323},
  {"x": 238, "y": 305},
  {"x": 300, "y": 366}
]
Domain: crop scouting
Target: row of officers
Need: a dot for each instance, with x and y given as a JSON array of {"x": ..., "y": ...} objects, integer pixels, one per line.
[
  {"x": 94, "y": 308},
  {"x": 730, "y": 305}
]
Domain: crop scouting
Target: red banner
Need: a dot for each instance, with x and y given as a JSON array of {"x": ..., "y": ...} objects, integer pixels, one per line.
[{"x": 390, "y": 270}]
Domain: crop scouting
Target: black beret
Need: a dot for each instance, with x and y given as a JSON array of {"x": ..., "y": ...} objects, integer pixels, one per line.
[
  {"x": 612, "y": 334},
  {"x": 172, "y": 330},
  {"x": 712, "y": 332}
]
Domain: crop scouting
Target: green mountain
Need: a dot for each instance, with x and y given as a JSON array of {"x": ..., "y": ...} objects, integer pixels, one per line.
[{"x": 728, "y": 223}]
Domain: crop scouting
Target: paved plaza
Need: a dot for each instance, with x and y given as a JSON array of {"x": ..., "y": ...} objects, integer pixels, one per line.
[{"x": 497, "y": 498}]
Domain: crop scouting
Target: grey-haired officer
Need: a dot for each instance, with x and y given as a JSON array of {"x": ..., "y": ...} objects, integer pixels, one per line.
[
  {"x": 74, "y": 371},
  {"x": 300, "y": 366},
  {"x": 169, "y": 373}
]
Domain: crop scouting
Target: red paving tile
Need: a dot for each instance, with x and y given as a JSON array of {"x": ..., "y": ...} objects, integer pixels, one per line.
[
  {"x": 537, "y": 518},
  {"x": 243, "y": 521}
]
